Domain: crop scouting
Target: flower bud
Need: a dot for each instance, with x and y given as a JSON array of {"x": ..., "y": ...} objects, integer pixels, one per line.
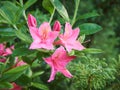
[
  {"x": 56, "y": 26},
  {"x": 31, "y": 21}
]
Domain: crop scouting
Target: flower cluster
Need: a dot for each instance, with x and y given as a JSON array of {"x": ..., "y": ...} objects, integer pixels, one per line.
[{"x": 45, "y": 37}]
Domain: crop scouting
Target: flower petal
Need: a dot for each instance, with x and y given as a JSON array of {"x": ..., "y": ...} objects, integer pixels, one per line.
[
  {"x": 53, "y": 73},
  {"x": 66, "y": 73}
]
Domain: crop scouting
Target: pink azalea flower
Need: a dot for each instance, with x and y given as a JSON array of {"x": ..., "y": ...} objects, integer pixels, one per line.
[
  {"x": 31, "y": 21},
  {"x": 43, "y": 37},
  {"x": 56, "y": 26},
  {"x": 58, "y": 62},
  {"x": 16, "y": 87},
  {"x": 68, "y": 39}
]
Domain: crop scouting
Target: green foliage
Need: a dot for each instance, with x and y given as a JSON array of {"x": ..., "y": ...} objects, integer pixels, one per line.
[{"x": 91, "y": 73}]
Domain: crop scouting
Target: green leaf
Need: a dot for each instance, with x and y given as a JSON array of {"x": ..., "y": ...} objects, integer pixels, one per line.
[
  {"x": 23, "y": 36},
  {"x": 14, "y": 73},
  {"x": 88, "y": 15},
  {"x": 60, "y": 8},
  {"x": 39, "y": 86},
  {"x": 29, "y": 3},
  {"x": 22, "y": 52},
  {"x": 92, "y": 50},
  {"x": 5, "y": 85},
  {"x": 7, "y": 32},
  {"x": 48, "y": 6},
  {"x": 89, "y": 28}
]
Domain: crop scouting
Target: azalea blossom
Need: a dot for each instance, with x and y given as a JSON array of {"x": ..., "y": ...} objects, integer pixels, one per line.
[
  {"x": 16, "y": 87},
  {"x": 68, "y": 39},
  {"x": 58, "y": 62},
  {"x": 43, "y": 37}
]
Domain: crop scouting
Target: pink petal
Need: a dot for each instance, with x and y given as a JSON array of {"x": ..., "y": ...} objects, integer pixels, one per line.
[
  {"x": 35, "y": 45},
  {"x": 34, "y": 33},
  {"x": 44, "y": 29},
  {"x": 2, "y": 47},
  {"x": 8, "y": 51},
  {"x": 53, "y": 35},
  {"x": 53, "y": 73},
  {"x": 68, "y": 30},
  {"x": 58, "y": 52},
  {"x": 31, "y": 21},
  {"x": 75, "y": 34},
  {"x": 57, "y": 26},
  {"x": 48, "y": 61},
  {"x": 66, "y": 73},
  {"x": 78, "y": 46}
]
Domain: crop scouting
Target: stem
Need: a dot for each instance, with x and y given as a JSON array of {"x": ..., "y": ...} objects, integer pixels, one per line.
[
  {"x": 75, "y": 12},
  {"x": 25, "y": 15},
  {"x": 52, "y": 16}
]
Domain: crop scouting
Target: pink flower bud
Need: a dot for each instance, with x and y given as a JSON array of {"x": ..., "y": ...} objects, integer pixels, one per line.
[
  {"x": 31, "y": 21},
  {"x": 56, "y": 26}
]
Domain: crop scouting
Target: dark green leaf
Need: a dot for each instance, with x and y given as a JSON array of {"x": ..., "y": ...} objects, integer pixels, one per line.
[
  {"x": 40, "y": 86},
  {"x": 88, "y": 15},
  {"x": 48, "y": 6},
  {"x": 22, "y": 52},
  {"x": 89, "y": 28},
  {"x": 60, "y": 8},
  {"x": 14, "y": 73},
  {"x": 5, "y": 85}
]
